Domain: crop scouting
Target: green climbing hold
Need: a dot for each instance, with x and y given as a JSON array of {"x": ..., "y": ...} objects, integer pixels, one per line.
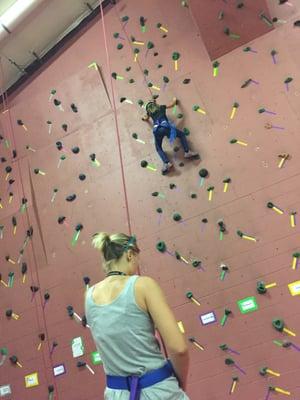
[
  {"x": 261, "y": 287},
  {"x": 166, "y": 79},
  {"x": 131, "y": 80},
  {"x": 175, "y": 56},
  {"x": 176, "y": 217},
  {"x": 186, "y": 131},
  {"x": 135, "y": 135},
  {"x": 150, "y": 45},
  {"x": 125, "y": 18},
  {"x": 196, "y": 263},
  {"x": 278, "y": 324},
  {"x": 179, "y": 116},
  {"x": 146, "y": 72},
  {"x": 140, "y": 103},
  {"x": 161, "y": 247},
  {"x": 159, "y": 210},
  {"x": 120, "y": 46}
]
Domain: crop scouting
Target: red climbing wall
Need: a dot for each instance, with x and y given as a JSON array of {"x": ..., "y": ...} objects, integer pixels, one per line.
[{"x": 56, "y": 267}]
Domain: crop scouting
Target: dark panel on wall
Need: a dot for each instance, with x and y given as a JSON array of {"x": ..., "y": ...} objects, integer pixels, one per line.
[{"x": 245, "y": 20}]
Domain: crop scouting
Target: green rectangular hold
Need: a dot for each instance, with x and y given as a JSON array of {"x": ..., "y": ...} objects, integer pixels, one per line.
[
  {"x": 95, "y": 357},
  {"x": 247, "y": 305}
]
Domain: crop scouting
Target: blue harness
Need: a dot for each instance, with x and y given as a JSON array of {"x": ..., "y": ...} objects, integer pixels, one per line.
[
  {"x": 163, "y": 122},
  {"x": 135, "y": 383}
]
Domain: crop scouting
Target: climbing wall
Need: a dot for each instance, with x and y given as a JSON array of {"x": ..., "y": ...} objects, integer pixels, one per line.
[{"x": 220, "y": 235}]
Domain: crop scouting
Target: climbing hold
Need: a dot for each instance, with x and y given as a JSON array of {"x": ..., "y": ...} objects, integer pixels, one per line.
[
  {"x": 203, "y": 173},
  {"x": 75, "y": 150},
  {"x": 159, "y": 210},
  {"x": 186, "y": 131},
  {"x": 177, "y": 217},
  {"x": 172, "y": 186},
  {"x": 65, "y": 127},
  {"x": 161, "y": 246},
  {"x": 71, "y": 197},
  {"x": 74, "y": 108},
  {"x": 120, "y": 46},
  {"x": 193, "y": 195},
  {"x": 179, "y": 116},
  {"x": 186, "y": 81}
]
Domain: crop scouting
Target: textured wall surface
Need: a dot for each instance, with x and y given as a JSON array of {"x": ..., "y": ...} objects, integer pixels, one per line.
[{"x": 56, "y": 267}]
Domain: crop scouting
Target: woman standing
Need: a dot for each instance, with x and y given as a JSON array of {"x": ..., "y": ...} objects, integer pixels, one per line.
[{"x": 123, "y": 311}]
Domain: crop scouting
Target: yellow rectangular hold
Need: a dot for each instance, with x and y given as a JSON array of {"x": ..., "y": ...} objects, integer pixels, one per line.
[
  {"x": 181, "y": 327},
  {"x": 294, "y": 288},
  {"x": 31, "y": 380}
]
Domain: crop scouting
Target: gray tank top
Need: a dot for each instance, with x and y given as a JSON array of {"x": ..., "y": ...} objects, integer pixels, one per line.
[{"x": 123, "y": 334}]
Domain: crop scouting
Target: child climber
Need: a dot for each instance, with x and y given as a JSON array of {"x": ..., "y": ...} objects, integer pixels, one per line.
[{"x": 163, "y": 127}]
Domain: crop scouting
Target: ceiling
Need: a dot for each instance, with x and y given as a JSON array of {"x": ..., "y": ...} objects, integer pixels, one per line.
[{"x": 38, "y": 33}]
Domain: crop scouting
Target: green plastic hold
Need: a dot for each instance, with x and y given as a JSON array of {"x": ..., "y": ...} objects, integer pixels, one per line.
[
  {"x": 229, "y": 361},
  {"x": 136, "y": 50},
  {"x": 131, "y": 80},
  {"x": 179, "y": 116},
  {"x": 140, "y": 103},
  {"x": 247, "y": 49},
  {"x": 261, "y": 287},
  {"x": 196, "y": 107},
  {"x": 135, "y": 135},
  {"x": 223, "y": 347},
  {"x": 166, "y": 79},
  {"x": 155, "y": 194},
  {"x": 196, "y": 263},
  {"x": 278, "y": 324},
  {"x": 270, "y": 205},
  {"x": 261, "y": 110},
  {"x": 161, "y": 247},
  {"x": 125, "y": 18},
  {"x": 186, "y": 131},
  {"x": 176, "y": 217},
  {"x": 177, "y": 255},
  {"x": 232, "y": 141},
  {"x": 3, "y": 351},
  {"x": 240, "y": 233},
  {"x": 175, "y": 56},
  {"x": 116, "y": 35},
  {"x": 216, "y": 64},
  {"x": 150, "y": 45},
  {"x": 263, "y": 371},
  {"x": 144, "y": 163},
  {"x": 159, "y": 210},
  {"x": 120, "y": 46},
  {"x": 146, "y": 72},
  {"x": 189, "y": 295}
]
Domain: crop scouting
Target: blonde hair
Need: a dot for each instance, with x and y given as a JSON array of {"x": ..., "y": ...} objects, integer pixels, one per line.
[{"x": 113, "y": 246}]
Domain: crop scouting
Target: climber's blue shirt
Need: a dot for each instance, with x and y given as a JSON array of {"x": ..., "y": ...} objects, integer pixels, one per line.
[{"x": 160, "y": 120}]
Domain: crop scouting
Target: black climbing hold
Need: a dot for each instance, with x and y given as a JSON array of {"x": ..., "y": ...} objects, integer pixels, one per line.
[
  {"x": 71, "y": 197},
  {"x": 86, "y": 280},
  {"x": 56, "y": 102},
  {"x": 14, "y": 153},
  {"x": 75, "y": 150},
  {"x": 61, "y": 219},
  {"x": 205, "y": 220},
  {"x": 186, "y": 81},
  {"x": 193, "y": 195},
  {"x": 78, "y": 227},
  {"x": 59, "y": 145},
  {"x": 181, "y": 164},
  {"x": 144, "y": 164},
  {"x": 155, "y": 54},
  {"x": 65, "y": 127},
  {"x": 128, "y": 69},
  {"x": 159, "y": 210},
  {"x": 172, "y": 186},
  {"x": 179, "y": 116},
  {"x": 82, "y": 177},
  {"x": 203, "y": 173},
  {"x": 135, "y": 135},
  {"x": 154, "y": 194},
  {"x": 74, "y": 108}
]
